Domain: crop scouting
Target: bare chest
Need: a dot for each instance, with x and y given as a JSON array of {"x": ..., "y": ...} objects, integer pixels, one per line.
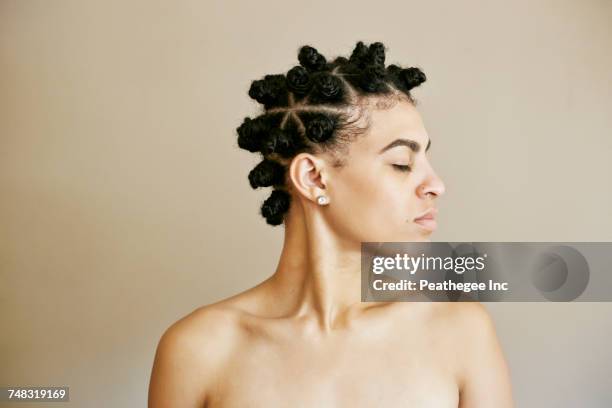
[{"x": 400, "y": 372}]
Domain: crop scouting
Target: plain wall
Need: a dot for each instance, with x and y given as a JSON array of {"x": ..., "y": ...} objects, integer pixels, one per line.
[{"x": 124, "y": 200}]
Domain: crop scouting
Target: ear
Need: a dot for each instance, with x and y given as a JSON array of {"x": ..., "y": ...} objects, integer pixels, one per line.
[{"x": 308, "y": 175}]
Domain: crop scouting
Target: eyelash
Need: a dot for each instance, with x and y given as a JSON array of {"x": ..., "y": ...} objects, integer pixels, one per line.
[{"x": 402, "y": 167}]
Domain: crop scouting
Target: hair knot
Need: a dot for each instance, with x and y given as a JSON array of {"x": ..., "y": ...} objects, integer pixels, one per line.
[
  {"x": 360, "y": 54},
  {"x": 376, "y": 53},
  {"x": 298, "y": 80},
  {"x": 311, "y": 59},
  {"x": 275, "y": 206},
  {"x": 267, "y": 173},
  {"x": 271, "y": 91},
  {"x": 413, "y": 77},
  {"x": 363, "y": 55},
  {"x": 373, "y": 78},
  {"x": 328, "y": 88},
  {"x": 281, "y": 142},
  {"x": 319, "y": 126},
  {"x": 251, "y": 132}
]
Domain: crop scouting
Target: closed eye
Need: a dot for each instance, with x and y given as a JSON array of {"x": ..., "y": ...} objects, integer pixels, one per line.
[{"x": 402, "y": 167}]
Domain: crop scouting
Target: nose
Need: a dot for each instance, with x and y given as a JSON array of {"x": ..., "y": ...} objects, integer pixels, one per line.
[{"x": 432, "y": 185}]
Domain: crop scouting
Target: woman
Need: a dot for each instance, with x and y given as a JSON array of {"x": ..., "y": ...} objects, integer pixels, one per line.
[{"x": 345, "y": 152}]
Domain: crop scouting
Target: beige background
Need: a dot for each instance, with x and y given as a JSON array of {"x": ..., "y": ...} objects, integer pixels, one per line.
[{"x": 125, "y": 202}]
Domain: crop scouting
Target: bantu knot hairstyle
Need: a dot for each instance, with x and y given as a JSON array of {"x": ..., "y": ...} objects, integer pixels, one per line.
[
  {"x": 308, "y": 109},
  {"x": 267, "y": 173},
  {"x": 275, "y": 206}
]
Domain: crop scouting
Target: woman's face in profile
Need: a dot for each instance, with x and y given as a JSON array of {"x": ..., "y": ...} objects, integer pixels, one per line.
[{"x": 387, "y": 181}]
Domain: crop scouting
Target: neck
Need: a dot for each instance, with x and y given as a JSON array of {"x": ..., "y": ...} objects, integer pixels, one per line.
[{"x": 318, "y": 274}]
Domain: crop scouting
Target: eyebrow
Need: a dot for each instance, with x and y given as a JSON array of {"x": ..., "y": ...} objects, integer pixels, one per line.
[{"x": 414, "y": 146}]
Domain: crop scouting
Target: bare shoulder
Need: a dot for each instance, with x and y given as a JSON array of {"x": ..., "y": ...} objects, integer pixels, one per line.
[
  {"x": 469, "y": 328},
  {"x": 483, "y": 374},
  {"x": 205, "y": 329},
  {"x": 452, "y": 319},
  {"x": 467, "y": 318},
  {"x": 209, "y": 332},
  {"x": 189, "y": 354}
]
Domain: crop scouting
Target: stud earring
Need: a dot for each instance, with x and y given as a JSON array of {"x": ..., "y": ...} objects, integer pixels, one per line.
[{"x": 322, "y": 200}]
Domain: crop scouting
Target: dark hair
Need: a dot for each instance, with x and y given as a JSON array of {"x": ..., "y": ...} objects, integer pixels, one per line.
[{"x": 312, "y": 109}]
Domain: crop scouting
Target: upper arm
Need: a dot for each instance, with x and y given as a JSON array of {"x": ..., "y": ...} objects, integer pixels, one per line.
[
  {"x": 177, "y": 378},
  {"x": 485, "y": 378}
]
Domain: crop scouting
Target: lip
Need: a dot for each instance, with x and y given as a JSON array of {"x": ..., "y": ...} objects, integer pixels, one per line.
[{"x": 427, "y": 220}]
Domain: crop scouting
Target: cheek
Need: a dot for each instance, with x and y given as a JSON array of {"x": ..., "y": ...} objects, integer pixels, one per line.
[
  {"x": 373, "y": 205},
  {"x": 358, "y": 191}
]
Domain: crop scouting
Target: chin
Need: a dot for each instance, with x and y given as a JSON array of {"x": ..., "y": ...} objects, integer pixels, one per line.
[
  {"x": 411, "y": 238},
  {"x": 422, "y": 237}
]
